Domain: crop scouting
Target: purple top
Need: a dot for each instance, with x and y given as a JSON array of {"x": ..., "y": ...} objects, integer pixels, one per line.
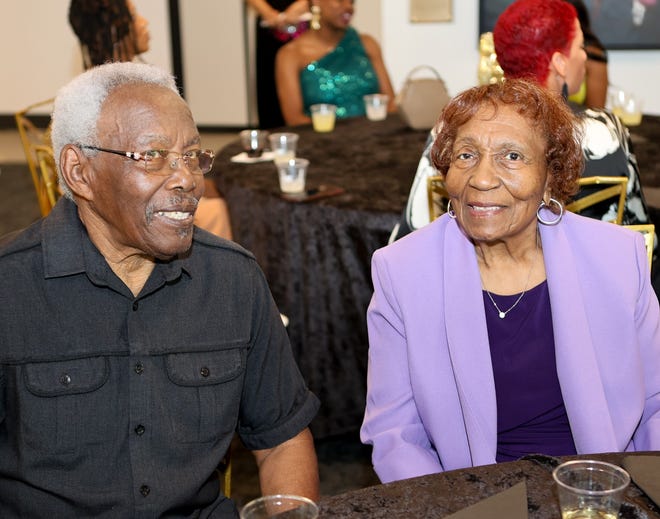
[{"x": 531, "y": 417}]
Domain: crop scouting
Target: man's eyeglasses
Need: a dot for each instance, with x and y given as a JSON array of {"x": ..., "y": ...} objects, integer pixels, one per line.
[{"x": 155, "y": 161}]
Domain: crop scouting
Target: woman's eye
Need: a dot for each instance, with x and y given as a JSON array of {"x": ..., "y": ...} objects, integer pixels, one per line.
[
  {"x": 513, "y": 155},
  {"x": 464, "y": 155}
]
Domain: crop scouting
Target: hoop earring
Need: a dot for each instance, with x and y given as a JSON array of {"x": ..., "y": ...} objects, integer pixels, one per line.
[
  {"x": 315, "y": 22},
  {"x": 550, "y": 222},
  {"x": 450, "y": 211}
]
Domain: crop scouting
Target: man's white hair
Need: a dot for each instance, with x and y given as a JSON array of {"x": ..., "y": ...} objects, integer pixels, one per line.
[{"x": 78, "y": 104}]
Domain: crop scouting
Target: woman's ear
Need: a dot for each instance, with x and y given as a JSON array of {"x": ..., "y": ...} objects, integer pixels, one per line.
[
  {"x": 76, "y": 172},
  {"x": 558, "y": 63}
]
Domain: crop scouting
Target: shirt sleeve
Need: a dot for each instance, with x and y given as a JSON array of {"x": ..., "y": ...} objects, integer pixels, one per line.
[{"x": 276, "y": 403}]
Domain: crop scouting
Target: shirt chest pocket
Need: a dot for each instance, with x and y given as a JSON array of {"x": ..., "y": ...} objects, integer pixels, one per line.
[
  {"x": 64, "y": 404},
  {"x": 207, "y": 390}
]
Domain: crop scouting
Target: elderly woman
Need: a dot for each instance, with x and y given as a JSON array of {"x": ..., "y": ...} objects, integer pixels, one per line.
[
  {"x": 541, "y": 40},
  {"x": 508, "y": 326}
]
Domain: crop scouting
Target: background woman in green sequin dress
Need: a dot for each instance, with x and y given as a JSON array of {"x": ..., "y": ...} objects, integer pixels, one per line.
[{"x": 332, "y": 64}]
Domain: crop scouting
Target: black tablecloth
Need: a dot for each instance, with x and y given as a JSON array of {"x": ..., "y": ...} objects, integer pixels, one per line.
[
  {"x": 439, "y": 495},
  {"x": 316, "y": 255}
]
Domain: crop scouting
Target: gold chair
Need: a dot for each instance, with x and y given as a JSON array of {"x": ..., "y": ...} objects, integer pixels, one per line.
[
  {"x": 48, "y": 172},
  {"x": 615, "y": 186},
  {"x": 648, "y": 230},
  {"x": 31, "y": 136},
  {"x": 224, "y": 472},
  {"x": 438, "y": 197}
]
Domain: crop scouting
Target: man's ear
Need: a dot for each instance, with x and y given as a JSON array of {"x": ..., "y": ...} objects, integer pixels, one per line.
[{"x": 77, "y": 172}]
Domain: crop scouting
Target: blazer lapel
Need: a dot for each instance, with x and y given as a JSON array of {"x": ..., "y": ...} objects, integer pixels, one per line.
[
  {"x": 575, "y": 351},
  {"x": 467, "y": 341}
]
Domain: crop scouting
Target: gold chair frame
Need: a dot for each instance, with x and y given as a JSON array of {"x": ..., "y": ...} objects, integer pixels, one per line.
[
  {"x": 32, "y": 136},
  {"x": 648, "y": 231},
  {"x": 438, "y": 198},
  {"x": 48, "y": 172},
  {"x": 617, "y": 187},
  {"x": 224, "y": 472}
]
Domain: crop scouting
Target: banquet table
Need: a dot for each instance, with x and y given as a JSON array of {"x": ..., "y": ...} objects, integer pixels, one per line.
[
  {"x": 316, "y": 254},
  {"x": 439, "y": 495}
]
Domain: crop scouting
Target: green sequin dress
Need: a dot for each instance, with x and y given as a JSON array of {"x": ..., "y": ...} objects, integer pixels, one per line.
[{"x": 341, "y": 77}]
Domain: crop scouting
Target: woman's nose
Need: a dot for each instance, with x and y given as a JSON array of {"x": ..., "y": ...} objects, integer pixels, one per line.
[{"x": 484, "y": 174}]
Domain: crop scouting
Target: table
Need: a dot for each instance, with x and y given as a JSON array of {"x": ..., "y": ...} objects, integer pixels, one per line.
[
  {"x": 646, "y": 145},
  {"x": 439, "y": 495},
  {"x": 316, "y": 255}
]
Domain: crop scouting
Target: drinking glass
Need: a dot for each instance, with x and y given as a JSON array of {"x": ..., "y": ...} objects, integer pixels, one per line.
[
  {"x": 283, "y": 145},
  {"x": 590, "y": 489},
  {"x": 254, "y": 142},
  {"x": 376, "y": 106},
  {"x": 625, "y": 106},
  {"x": 292, "y": 175},
  {"x": 281, "y": 506},
  {"x": 323, "y": 117}
]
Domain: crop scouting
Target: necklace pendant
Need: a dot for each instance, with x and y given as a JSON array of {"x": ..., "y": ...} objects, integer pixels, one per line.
[{"x": 502, "y": 315}]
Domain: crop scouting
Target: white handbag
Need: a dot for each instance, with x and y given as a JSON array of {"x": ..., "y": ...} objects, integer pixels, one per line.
[{"x": 421, "y": 99}]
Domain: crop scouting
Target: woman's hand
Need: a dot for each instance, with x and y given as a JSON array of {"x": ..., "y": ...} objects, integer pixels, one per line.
[{"x": 293, "y": 13}]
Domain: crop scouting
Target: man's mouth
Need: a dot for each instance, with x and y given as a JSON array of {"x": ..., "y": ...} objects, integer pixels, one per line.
[{"x": 175, "y": 215}]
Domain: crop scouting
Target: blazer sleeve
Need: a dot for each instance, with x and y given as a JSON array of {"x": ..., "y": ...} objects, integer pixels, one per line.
[
  {"x": 647, "y": 318},
  {"x": 401, "y": 446}
]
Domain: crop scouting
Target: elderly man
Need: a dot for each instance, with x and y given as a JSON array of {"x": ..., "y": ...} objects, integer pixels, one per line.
[{"x": 132, "y": 344}]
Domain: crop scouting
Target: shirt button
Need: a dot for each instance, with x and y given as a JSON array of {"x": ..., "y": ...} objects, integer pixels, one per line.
[
  {"x": 205, "y": 372},
  {"x": 139, "y": 368},
  {"x": 139, "y": 430},
  {"x": 144, "y": 490},
  {"x": 135, "y": 306},
  {"x": 65, "y": 379}
]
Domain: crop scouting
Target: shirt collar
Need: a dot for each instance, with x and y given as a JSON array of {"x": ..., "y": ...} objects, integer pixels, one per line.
[{"x": 67, "y": 250}]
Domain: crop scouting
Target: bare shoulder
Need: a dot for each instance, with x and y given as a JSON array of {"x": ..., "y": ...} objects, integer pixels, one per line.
[
  {"x": 370, "y": 44},
  {"x": 296, "y": 51}
]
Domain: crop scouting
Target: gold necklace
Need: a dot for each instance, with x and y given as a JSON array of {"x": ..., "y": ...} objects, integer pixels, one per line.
[{"x": 502, "y": 314}]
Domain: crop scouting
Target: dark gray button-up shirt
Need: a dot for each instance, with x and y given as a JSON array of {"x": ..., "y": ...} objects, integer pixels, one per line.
[{"x": 120, "y": 406}]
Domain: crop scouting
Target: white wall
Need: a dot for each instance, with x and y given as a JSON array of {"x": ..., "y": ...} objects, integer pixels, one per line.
[{"x": 40, "y": 52}]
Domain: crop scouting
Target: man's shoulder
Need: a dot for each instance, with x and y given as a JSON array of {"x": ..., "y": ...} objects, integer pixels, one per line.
[
  {"x": 20, "y": 240},
  {"x": 209, "y": 243}
]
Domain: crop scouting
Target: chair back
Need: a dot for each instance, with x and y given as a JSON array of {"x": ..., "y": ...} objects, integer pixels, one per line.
[
  {"x": 31, "y": 137},
  {"x": 48, "y": 172},
  {"x": 224, "y": 473},
  {"x": 612, "y": 187},
  {"x": 648, "y": 230},
  {"x": 438, "y": 198}
]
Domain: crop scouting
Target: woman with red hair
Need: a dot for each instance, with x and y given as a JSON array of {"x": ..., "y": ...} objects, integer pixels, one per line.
[{"x": 542, "y": 40}]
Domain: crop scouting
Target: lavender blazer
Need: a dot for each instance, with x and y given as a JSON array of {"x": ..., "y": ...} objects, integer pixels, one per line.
[{"x": 431, "y": 395}]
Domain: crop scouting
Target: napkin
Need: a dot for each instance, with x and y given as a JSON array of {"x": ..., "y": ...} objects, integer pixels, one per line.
[
  {"x": 243, "y": 157},
  {"x": 510, "y": 504},
  {"x": 645, "y": 472}
]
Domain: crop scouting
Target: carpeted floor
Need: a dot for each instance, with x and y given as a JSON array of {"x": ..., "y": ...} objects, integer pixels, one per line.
[{"x": 18, "y": 202}]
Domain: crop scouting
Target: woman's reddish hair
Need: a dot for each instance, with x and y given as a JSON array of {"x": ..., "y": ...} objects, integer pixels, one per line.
[{"x": 529, "y": 32}]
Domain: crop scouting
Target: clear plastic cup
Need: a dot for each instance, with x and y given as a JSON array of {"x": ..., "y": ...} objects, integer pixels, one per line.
[
  {"x": 375, "y": 105},
  {"x": 284, "y": 146},
  {"x": 323, "y": 117},
  {"x": 590, "y": 489},
  {"x": 294, "y": 507},
  {"x": 254, "y": 142},
  {"x": 292, "y": 174}
]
